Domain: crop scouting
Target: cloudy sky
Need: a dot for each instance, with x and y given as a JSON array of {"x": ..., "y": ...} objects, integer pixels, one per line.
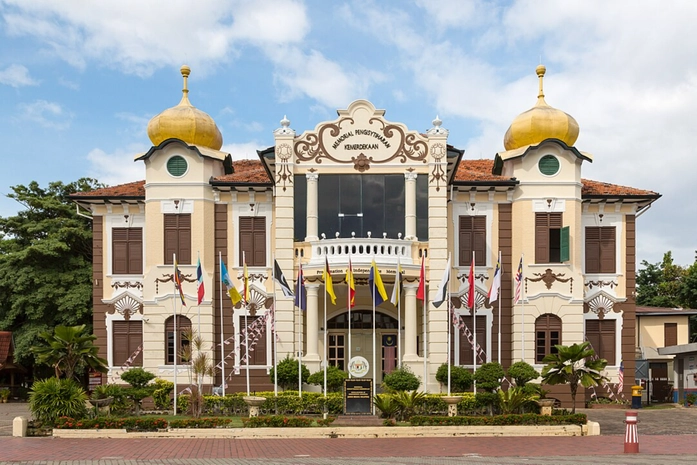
[{"x": 79, "y": 80}]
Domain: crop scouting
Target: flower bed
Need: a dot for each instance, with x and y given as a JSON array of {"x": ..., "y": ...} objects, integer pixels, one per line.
[{"x": 129, "y": 424}]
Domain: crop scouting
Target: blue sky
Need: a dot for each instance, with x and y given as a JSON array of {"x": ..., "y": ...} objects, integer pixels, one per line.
[{"x": 79, "y": 80}]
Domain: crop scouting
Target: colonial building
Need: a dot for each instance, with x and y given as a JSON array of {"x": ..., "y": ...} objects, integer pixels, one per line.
[{"x": 366, "y": 189}]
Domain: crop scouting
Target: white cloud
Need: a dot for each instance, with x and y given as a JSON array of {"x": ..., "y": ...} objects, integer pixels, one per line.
[
  {"x": 47, "y": 114},
  {"x": 17, "y": 76},
  {"x": 139, "y": 37},
  {"x": 243, "y": 151},
  {"x": 117, "y": 167}
]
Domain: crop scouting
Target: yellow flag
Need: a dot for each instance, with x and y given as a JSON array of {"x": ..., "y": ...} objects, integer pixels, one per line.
[{"x": 328, "y": 284}]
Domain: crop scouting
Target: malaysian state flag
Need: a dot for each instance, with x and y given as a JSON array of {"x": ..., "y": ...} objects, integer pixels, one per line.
[{"x": 518, "y": 282}]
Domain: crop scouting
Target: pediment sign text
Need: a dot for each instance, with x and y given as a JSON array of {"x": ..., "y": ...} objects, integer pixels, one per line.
[{"x": 361, "y": 136}]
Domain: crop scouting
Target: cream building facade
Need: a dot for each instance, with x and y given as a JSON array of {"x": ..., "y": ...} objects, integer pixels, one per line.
[{"x": 366, "y": 189}]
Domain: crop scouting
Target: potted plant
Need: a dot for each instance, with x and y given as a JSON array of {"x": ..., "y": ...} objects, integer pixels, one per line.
[{"x": 4, "y": 394}]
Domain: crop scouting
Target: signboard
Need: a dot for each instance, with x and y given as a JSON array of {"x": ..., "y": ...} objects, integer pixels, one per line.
[
  {"x": 95, "y": 379},
  {"x": 358, "y": 366},
  {"x": 358, "y": 396}
]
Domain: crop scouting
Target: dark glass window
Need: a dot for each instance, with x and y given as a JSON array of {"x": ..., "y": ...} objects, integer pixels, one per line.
[
  {"x": 547, "y": 335},
  {"x": 422, "y": 207},
  {"x": 360, "y": 203},
  {"x": 362, "y": 319},
  {"x": 300, "y": 208}
]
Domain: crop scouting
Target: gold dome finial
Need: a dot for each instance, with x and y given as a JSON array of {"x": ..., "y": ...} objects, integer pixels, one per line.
[
  {"x": 541, "y": 122},
  {"x": 541, "y": 70},
  {"x": 185, "y": 122}
]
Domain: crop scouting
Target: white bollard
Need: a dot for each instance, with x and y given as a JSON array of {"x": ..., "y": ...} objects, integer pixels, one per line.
[{"x": 19, "y": 427}]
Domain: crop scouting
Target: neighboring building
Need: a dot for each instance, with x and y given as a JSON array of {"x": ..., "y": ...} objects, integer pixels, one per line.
[
  {"x": 659, "y": 330},
  {"x": 372, "y": 189},
  {"x": 12, "y": 374}
]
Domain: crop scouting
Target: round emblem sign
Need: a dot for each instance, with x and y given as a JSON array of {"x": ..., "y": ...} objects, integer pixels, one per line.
[{"x": 358, "y": 366}]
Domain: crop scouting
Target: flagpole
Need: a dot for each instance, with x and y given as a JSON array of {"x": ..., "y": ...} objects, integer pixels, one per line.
[
  {"x": 448, "y": 326},
  {"x": 246, "y": 328},
  {"x": 300, "y": 332},
  {"x": 499, "y": 299},
  {"x": 348, "y": 300},
  {"x": 425, "y": 351},
  {"x": 174, "y": 279},
  {"x": 522, "y": 312},
  {"x": 374, "y": 265},
  {"x": 222, "y": 322},
  {"x": 275, "y": 342},
  {"x": 324, "y": 355},
  {"x": 398, "y": 282},
  {"x": 474, "y": 318}
]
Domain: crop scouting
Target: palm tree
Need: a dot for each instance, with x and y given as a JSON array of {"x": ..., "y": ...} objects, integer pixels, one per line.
[
  {"x": 574, "y": 364},
  {"x": 68, "y": 349}
]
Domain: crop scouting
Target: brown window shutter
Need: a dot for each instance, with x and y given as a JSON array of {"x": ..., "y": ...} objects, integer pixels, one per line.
[
  {"x": 607, "y": 250},
  {"x": 119, "y": 257},
  {"x": 541, "y": 238},
  {"x": 555, "y": 221},
  {"x": 466, "y": 352},
  {"x": 593, "y": 335},
  {"x": 184, "y": 255},
  {"x": 465, "y": 250},
  {"x": 607, "y": 340},
  {"x": 135, "y": 251},
  {"x": 472, "y": 237},
  {"x": 260, "y": 242},
  {"x": 592, "y": 250},
  {"x": 171, "y": 239}
]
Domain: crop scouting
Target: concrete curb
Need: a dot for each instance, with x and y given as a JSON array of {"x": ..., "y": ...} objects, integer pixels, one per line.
[{"x": 590, "y": 429}]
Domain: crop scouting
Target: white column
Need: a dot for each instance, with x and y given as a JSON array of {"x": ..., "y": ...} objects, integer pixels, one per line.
[
  {"x": 410, "y": 206},
  {"x": 312, "y": 221},
  {"x": 311, "y": 337},
  {"x": 410, "y": 321}
]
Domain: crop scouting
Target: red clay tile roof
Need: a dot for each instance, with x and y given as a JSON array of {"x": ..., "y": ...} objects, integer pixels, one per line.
[
  {"x": 132, "y": 189},
  {"x": 603, "y": 188},
  {"x": 246, "y": 171},
  {"x": 666, "y": 310},
  {"x": 5, "y": 346},
  {"x": 477, "y": 170},
  {"x": 252, "y": 172}
]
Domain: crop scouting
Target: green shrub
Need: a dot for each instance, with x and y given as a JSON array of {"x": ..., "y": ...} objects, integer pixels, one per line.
[
  {"x": 277, "y": 421},
  {"x": 460, "y": 377},
  {"x": 408, "y": 403},
  {"x": 335, "y": 378},
  {"x": 288, "y": 373},
  {"x": 401, "y": 379},
  {"x": 121, "y": 403},
  {"x": 487, "y": 400},
  {"x": 386, "y": 404},
  {"x": 200, "y": 423},
  {"x": 500, "y": 420},
  {"x": 183, "y": 402},
  {"x": 138, "y": 378},
  {"x": 161, "y": 394},
  {"x": 522, "y": 373},
  {"x": 488, "y": 376},
  {"x": 53, "y": 398},
  {"x": 513, "y": 400}
]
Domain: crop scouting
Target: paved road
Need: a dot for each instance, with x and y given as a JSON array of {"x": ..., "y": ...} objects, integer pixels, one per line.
[{"x": 665, "y": 438}]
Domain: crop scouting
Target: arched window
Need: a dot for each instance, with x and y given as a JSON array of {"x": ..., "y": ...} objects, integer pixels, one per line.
[
  {"x": 547, "y": 335},
  {"x": 183, "y": 333}
]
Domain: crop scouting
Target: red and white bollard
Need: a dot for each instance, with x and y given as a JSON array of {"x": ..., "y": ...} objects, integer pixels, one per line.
[{"x": 631, "y": 436}]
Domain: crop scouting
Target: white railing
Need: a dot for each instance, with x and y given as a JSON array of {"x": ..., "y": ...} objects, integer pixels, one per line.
[{"x": 362, "y": 251}]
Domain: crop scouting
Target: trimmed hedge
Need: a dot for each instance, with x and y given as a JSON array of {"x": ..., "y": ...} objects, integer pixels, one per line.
[
  {"x": 525, "y": 419},
  {"x": 276, "y": 421},
  {"x": 216, "y": 422},
  {"x": 130, "y": 423}
]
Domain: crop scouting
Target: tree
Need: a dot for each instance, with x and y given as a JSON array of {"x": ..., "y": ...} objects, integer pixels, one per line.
[
  {"x": 45, "y": 264},
  {"x": 138, "y": 378},
  {"x": 69, "y": 349},
  {"x": 460, "y": 377},
  {"x": 335, "y": 378},
  {"x": 659, "y": 284},
  {"x": 573, "y": 365}
]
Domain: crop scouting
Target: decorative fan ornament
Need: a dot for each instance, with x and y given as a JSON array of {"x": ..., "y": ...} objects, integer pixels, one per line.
[
  {"x": 127, "y": 306},
  {"x": 601, "y": 305}
]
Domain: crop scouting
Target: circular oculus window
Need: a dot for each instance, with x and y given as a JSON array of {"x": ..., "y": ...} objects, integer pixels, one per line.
[
  {"x": 177, "y": 166},
  {"x": 549, "y": 165}
]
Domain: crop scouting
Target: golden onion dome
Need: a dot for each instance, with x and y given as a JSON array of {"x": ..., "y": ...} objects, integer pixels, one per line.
[
  {"x": 185, "y": 122},
  {"x": 541, "y": 122}
]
